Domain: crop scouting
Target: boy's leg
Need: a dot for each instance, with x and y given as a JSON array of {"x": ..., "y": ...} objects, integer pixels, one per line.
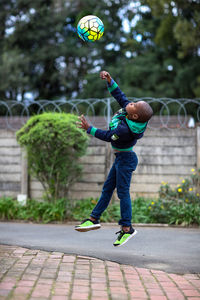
[
  {"x": 125, "y": 166},
  {"x": 108, "y": 188},
  {"x": 123, "y": 186},
  {"x": 106, "y": 194}
]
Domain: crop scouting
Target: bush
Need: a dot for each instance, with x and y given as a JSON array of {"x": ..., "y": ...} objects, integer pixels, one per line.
[
  {"x": 180, "y": 205},
  {"x": 83, "y": 208},
  {"x": 140, "y": 210},
  {"x": 8, "y": 209},
  {"x": 35, "y": 211},
  {"x": 174, "y": 206},
  {"x": 53, "y": 144}
]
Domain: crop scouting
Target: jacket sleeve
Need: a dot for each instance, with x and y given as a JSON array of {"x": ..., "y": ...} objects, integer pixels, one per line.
[
  {"x": 108, "y": 135},
  {"x": 104, "y": 135},
  {"x": 118, "y": 94}
]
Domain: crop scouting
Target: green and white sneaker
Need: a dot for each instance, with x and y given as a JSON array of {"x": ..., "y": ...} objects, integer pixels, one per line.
[
  {"x": 124, "y": 236},
  {"x": 87, "y": 225}
]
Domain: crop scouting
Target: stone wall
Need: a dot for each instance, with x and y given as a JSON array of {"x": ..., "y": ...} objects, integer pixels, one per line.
[
  {"x": 164, "y": 155},
  {"x": 10, "y": 164}
]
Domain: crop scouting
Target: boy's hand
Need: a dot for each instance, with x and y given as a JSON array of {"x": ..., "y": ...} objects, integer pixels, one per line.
[
  {"x": 83, "y": 124},
  {"x": 105, "y": 75}
]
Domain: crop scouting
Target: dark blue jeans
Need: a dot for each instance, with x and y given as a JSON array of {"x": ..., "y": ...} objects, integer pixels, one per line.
[{"x": 119, "y": 177}]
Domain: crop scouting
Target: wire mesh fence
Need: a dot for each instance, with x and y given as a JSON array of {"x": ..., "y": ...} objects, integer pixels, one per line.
[{"x": 168, "y": 113}]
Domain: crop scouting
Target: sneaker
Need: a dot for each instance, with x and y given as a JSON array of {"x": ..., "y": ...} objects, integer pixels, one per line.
[
  {"x": 87, "y": 225},
  {"x": 124, "y": 236}
]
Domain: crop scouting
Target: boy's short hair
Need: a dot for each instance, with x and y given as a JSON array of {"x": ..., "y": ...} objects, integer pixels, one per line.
[{"x": 145, "y": 113}]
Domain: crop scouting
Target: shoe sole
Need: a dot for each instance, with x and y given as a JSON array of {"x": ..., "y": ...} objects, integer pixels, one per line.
[
  {"x": 88, "y": 228},
  {"x": 132, "y": 235}
]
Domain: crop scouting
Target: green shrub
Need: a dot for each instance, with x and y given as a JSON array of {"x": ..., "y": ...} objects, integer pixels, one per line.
[
  {"x": 83, "y": 208},
  {"x": 8, "y": 208},
  {"x": 180, "y": 205},
  {"x": 34, "y": 210},
  {"x": 172, "y": 212},
  {"x": 171, "y": 208},
  {"x": 140, "y": 210},
  {"x": 53, "y": 144}
]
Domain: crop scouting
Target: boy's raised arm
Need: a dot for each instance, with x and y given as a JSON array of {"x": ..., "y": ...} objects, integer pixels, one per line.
[
  {"x": 114, "y": 89},
  {"x": 105, "y": 75}
]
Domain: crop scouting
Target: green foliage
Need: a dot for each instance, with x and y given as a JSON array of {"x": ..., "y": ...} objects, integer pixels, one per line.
[
  {"x": 42, "y": 54},
  {"x": 34, "y": 211},
  {"x": 82, "y": 209},
  {"x": 144, "y": 210},
  {"x": 8, "y": 209},
  {"x": 187, "y": 190},
  {"x": 165, "y": 62},
  {"x": 180, "y": 20},
  {"x": 13, "y": 73},
  {"x": 140, "y": 210},
  {"x": 53, "y": 144},
  {"x": 164, "y": 35},
  {"x": 56, "y": 60},
  {"x": 180, "y": 205}
]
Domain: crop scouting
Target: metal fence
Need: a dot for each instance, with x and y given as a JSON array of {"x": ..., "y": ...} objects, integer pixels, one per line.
[{"x": 168, "y": 113}]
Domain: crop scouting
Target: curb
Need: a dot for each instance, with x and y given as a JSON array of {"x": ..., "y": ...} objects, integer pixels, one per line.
[
  {"x": 137, "y": 225},
  {"x": 111, "y": 224}
]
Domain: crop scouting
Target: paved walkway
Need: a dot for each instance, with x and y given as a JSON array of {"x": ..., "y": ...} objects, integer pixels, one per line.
[
  {"x": 172, "y": 250},
  {"x": 40, "y": 275}
]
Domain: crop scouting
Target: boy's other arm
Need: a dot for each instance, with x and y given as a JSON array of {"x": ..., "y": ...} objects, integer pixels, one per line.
[
  {"x": 114, "y": 89},
  {"x": 104, "y": 135}
]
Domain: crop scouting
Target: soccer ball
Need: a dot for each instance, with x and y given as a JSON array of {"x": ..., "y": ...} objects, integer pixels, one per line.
[{"x": 90, "y": 28}]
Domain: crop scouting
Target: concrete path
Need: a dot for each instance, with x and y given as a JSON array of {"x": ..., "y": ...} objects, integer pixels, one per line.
[
  {"x": 173, "y": 250},
  {"x": 40, "y": 275}
]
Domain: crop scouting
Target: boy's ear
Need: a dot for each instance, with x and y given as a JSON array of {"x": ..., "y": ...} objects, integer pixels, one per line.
[{"x": 134, "y": 116}]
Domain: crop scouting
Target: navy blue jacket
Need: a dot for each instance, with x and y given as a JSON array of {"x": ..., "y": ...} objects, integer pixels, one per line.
[{"x": 123, "y": 133}]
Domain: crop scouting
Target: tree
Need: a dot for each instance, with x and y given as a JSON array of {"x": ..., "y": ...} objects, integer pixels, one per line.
[
  {"x": 42, "y": 54},
  {"x": 157, "y": 66},
  {"x": 185, "y": 26},
  {"x": 53, "y": 144},
  {"x": 14, "y": 78},
  {"x": 179, "y": 27},
  {"x": 57, "y": 63}
]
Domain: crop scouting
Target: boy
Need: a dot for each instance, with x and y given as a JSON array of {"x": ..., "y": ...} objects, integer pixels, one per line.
[{"x": 127, "y": 126}]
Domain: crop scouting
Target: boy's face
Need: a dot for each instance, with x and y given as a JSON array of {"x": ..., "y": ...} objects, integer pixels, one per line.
[{"x": 133, "y": 109}]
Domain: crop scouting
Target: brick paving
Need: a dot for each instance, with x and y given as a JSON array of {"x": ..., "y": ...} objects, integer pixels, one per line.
[{"x": 39, "y": 275}]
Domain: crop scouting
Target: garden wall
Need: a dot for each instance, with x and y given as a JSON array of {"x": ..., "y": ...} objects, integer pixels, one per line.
[{"x": 164, "y": 155}]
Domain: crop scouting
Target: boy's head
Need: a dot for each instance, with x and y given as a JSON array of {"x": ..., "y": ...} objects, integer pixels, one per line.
[{"x": 139, "y": 111}]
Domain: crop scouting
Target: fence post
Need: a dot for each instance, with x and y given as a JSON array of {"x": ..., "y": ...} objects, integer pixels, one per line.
[
  {"x": 109, "y": 153},
  {"x": 108, "y": 112},
  {"x": 24, "y": 173}
]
